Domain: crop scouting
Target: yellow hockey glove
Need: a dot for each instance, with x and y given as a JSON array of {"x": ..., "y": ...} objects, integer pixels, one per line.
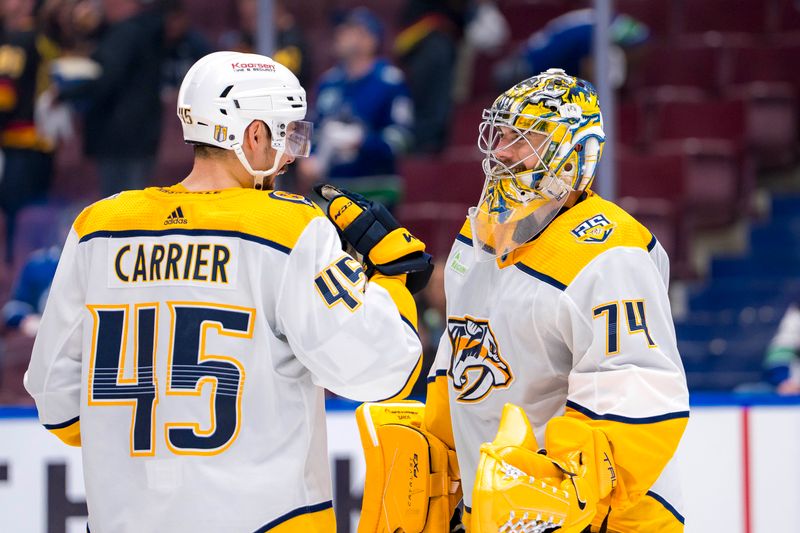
[
  {"x": 377, "y": 237},
  {"x": 412, "y": 483},
  {"x": 584, "y": 452},
  {"x": 518, "y": 488}
]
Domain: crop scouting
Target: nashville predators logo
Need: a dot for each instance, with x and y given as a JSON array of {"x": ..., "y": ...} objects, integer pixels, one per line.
[{"x": 476, "y": 367}]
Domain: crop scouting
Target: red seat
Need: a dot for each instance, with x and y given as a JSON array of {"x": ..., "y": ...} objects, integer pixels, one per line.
[
  {"x": 765, "y": 63},
  {"x": 631, "y": 127},
  {"x": 711, "y": 119},
  {"x": 420, "y": 177},
  {"x": 713, "y": 185},
  {"x": 650, "y": 176},
  {"x": 700, "y": 178},
  {"x": 435, "y": 223},
  {"x": 771, "y": 116},
  {"x": 660, "y": 17},
  {"x": 757, "y": 63},
  {"x": 746, "y": 16},
  {"x": 525, "y": 18},
  {"x": 466, "y": 120},
  {"x": 759, "y": 119},
  {"x": 787, "y": 17},
  {"x": 662, "y": 219},
  {"x": 212, "y": 17},
  {"x": 689, "y": 63},
  {"x": 441, "y": 179}
]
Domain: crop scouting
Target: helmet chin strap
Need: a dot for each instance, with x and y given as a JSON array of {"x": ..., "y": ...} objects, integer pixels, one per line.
[{"x": 258, "y": 175}]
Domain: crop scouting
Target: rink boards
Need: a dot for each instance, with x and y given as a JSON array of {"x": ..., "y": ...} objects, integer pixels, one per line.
[{"x": 741, "y": 465}]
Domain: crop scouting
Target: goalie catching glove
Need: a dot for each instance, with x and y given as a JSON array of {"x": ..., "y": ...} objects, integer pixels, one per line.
[
  {"x": 377, "y": 237},
  {"x": 413, "y": 482},
  {"x": 520, "y": 488}
]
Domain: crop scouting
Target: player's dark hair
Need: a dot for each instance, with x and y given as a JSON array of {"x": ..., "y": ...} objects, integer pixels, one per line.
[{"x": 206, "y": 151}]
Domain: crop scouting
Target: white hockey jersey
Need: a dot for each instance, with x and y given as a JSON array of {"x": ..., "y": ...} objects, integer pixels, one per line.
[
  {"x": 185, "y": 346},
  {"x": 577, "y": 322}
]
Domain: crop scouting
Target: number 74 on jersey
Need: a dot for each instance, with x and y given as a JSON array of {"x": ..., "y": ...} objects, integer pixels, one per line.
[{"x": 635, "y": 319}]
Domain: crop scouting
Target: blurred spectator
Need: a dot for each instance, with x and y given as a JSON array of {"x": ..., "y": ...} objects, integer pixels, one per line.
[
  {"x": 27, "y": 166},
  {"x": 183, "y": 45},
  {"x": 782, "y": 364},
  {"x": 24, "y": 310},
  {"x": 123, "y": 122},
  {"x": 426, "y": 48},
  {"x": 32, "y": 285},
  {"x": 487, "y": 29},
  {"x": 363, "y": 115},
  {"x": 290, "y": 45},
  {"x": 74, "y": 24},
  {"x": 566, "y": 42}
]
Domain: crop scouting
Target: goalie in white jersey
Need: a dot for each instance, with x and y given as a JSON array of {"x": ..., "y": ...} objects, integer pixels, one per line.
[
  {"x": 556, "y": 304},
  {"x": 190, "y": 330}
]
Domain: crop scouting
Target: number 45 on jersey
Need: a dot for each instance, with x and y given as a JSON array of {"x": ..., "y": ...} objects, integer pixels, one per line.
[{"x": 188, "y": 368}]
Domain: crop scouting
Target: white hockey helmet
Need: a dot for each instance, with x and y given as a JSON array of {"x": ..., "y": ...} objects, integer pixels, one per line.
[{"x": 224, "y": 92}]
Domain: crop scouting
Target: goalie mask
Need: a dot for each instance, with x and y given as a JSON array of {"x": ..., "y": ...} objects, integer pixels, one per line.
[
  {"x": 225, "y": 91},
  {"x": 541, "y": 140}
]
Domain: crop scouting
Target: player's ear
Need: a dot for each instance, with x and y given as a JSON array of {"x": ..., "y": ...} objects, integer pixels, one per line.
[{"x": 256, "y": 133}]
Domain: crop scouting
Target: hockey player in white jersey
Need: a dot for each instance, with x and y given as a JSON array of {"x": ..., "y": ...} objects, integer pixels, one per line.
[
  {"x": 190, "y": 330},
  {"x": 557, "y": 309}
]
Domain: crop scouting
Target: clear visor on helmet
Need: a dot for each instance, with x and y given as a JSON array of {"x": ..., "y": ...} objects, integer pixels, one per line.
[
  {"x": 298, "y": 138},
  {"x": 522, "y": 193}
]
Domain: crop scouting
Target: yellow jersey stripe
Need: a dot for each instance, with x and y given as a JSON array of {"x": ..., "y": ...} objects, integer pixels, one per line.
[
  {"x": 273, "y": 216},
  {"x": 559, "y": 253},
  {"x": 396, "y": 287},
  {"x": 318, "y": 518},
  {"x": 69, "y": 432}
]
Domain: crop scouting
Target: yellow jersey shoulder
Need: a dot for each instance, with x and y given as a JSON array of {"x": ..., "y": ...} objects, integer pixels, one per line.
[
  {"x": 578, "y": 236},
  {"x": 275, "y": 216}
]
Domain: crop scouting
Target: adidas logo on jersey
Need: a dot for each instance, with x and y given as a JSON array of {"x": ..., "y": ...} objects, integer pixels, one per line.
[{"x": 176, "y": 217}]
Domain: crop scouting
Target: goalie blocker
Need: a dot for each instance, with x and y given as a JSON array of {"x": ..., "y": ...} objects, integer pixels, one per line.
[{"x": 412, "y": 482}]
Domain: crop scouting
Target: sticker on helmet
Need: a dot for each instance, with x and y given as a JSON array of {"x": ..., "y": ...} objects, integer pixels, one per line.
[{"x": 220, "y": 133}]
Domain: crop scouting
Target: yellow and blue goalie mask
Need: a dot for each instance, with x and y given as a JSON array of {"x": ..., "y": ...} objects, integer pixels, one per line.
[{"x": 541, "y": 140}]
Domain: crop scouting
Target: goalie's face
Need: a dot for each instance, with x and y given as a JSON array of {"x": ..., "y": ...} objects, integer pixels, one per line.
[
  {"x": 522, "y": 193},
  {"x": 519, "y": 151}
]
